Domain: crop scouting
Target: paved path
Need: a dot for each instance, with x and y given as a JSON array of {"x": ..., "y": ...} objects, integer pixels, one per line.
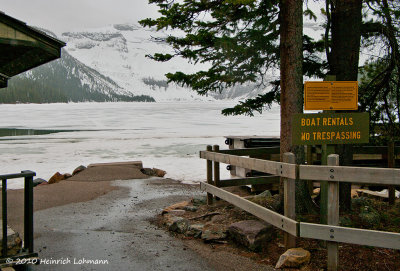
[{"x": 116, "y": 228}]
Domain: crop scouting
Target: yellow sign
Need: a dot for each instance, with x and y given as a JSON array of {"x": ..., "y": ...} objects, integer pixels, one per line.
[
  {"x": 330, "y": 128},
  {"x": 331, "y": 95}
]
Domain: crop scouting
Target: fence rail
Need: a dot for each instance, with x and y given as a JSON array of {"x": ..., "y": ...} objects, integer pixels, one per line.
[
  {"x": 271, "y": 167},
  {"x": 28, "y": 213},
  {"x": 384, "y": 176},
  {"x": 332, "y": 173}
]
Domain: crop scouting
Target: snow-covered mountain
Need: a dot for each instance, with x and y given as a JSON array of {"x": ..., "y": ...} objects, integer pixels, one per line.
[
  {"x": 119, "y": 52},
  {"x": 65, "y": 80}
]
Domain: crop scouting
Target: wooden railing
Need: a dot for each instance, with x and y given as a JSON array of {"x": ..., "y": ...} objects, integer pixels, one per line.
[
  {"x": 332, "y": 173},
  {"x": 8, "y": 260}
]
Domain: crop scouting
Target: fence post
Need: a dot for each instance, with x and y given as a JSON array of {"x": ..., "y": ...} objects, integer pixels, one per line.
[
  {"x": 4, "y": 216},
  {"x": 28, "y": 217},
  {"x": 209, "y": 177},
  {"x": 216, "y": 170},
  {"x": 289, "y": 188},
  {"x": 309, "y": 158},
  {"x": 326, "y": 151},
  {"x": 391, "y": 164},
  {"x": 333, "y": 213}
]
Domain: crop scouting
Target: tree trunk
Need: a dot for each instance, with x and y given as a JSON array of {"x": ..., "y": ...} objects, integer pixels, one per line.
[
  {"x": 291, "y": 57},
  {"x": 346, "y": 35}
]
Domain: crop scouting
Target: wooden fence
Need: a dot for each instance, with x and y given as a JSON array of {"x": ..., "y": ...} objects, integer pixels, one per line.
[{"x": 331, "y": 173}]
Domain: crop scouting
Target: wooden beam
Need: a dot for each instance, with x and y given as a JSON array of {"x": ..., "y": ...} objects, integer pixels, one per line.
[
  {"x": 249, "y": 181},
  {"x": 391, "y": 164},
  {"x": 351, "y": 174},
  {"x": 273, "y": 218},
  {"x": 373, "y": 150},
  {"x": 350, "y": 235},
  {"x": 369, "y": 150},
  {"x": 333, "y": 215},
  {"x": 252, "y": 151},
  {"x": 209, "y": 177},
  {"x": 217, "y": 176},
  {"x": 289, "y": 200},
  {"x": 271, "y": 167}
]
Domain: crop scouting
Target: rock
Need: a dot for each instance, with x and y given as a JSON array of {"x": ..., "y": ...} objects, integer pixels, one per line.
[
  {"x": 265, "y": 199},
  {"x": 265, "y": 194},
  {"x": 38, "y": 181},
  {"x": 148, "y": 171},
  {"x": 177, "y": 212},
  {"x": 44, "y": 183},
  {"x": 213, "y": 236},
  {"x": 354, "y": 193},
  {"x": 179, "y": 224},
  {"x": 190, "y": 208},
  {"x": 195, "y": 230},
  {"x": 294, "y": 258},
  {"x": 179, "y": 205},
  {"x": 253, "y": 234},
  {"x": 67, "y": 175},
  {"x": 153, "y": 172},
  {"x": 217, "y": 218},
  {"x": 199, "y": 200},
  {"x": 78, "y": 169},
  {"x": 14, "y": 242},
  {"x": 57, "y": 177},
  {"x": 159, "y": 172}
]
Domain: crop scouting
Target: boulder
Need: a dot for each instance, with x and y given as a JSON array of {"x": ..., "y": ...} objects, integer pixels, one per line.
[
  {"x": 294, "y": 258},
  {"x": 190, "y": 208},
  {"x": 267, "y": 200},
  {"x": 217, "y": 218},
  {"x": 178, "y": 224},
  {"x": 199, "y": 200},
  {"x": 195, "y": 230},
  {"x": 252, "y": 234},
  {"x": 265, "y": 194},
  {"x": 176, "y": 206},
  {"x": 38, "y": 181},
  {"x": 78, "y": 169},
  {"x": 153, "y": 172},
  {"x": 159, "y": 172},
  {"x": 57, "y": 177},
  {"x": 209, "y": 236},
  {"x": 148, "y": 171},
  {"x": 177, "y": 212},
  {"x": 14, "y": 242},
  {"x": 67, "y": 175}
]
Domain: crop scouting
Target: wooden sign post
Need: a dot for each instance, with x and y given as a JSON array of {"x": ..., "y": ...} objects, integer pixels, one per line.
[{"x": 328, "y": 129}]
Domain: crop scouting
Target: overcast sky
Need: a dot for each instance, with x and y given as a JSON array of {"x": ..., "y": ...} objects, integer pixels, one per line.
[{"x": 68, "y": 15}]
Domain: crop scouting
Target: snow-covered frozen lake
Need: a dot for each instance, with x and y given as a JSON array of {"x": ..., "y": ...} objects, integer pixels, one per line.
[{"x": 162, "y": 135}]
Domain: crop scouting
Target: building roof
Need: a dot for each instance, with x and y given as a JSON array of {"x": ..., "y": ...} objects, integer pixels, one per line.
[{"x": 23, "y": 47}]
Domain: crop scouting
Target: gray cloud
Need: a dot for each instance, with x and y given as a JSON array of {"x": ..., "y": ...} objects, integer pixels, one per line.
[{"x": 68, "y": 15}]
